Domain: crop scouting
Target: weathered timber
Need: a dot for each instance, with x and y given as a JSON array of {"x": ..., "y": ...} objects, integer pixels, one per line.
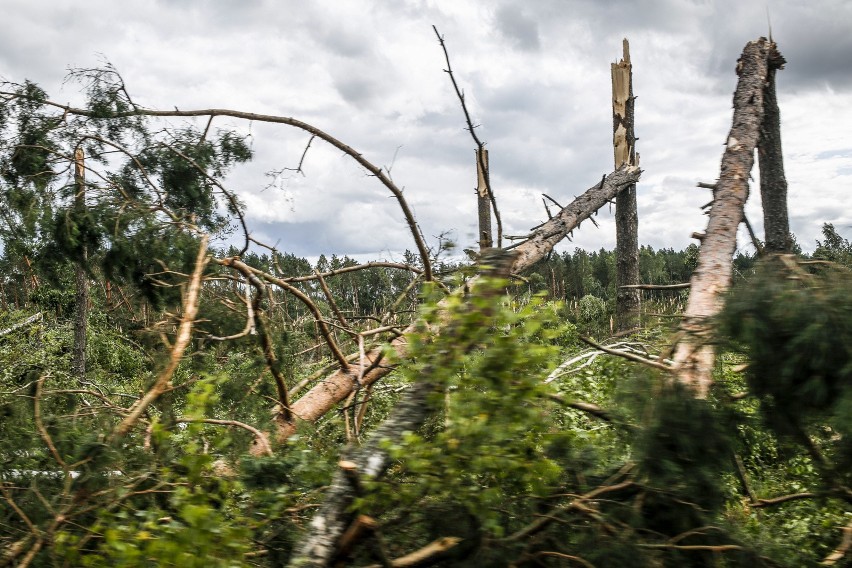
[
  {"x": 81, "y": 280},
  {"x": 695, "y": 356},
  {"x": 626, "y": 215},
  {"x": 483, "y": 199}
]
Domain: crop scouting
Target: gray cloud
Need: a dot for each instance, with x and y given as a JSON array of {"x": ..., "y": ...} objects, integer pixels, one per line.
[
  {"x": 537, "y": 80},
  {"x": 519, "y": 28}
]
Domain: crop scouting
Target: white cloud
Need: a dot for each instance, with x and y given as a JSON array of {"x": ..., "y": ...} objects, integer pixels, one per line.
[{"x": 536, "y": 79}]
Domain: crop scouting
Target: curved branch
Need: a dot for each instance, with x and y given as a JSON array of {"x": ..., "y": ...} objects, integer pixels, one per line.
[
  {"x": 265, "y": 341},
  {"x": 190, "y": 311},
  {"x": 238, "y": 264},
  {"x": 261, "y": 439},
  {"x": 376, "y": 171},
  {"x": 346, "y": 269},
  {"x": 231, "y": 199}
]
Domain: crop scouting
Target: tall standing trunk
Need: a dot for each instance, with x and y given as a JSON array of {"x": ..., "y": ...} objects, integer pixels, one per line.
[
  {"x": 81, "y": 312},
  {"x": 483, "y": 199},
  {"x": 626, "y": 216},
  {"x": 773, "y": 183},
  {"x": 694, "y": 356}
]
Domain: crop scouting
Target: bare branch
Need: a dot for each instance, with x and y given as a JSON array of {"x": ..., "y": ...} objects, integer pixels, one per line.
[
  {"x": 326, "y": 332},
  {"x": 682, "y": 286},
  {"x": 26, "y": 322},
  {"x": 190, "y": 311},
  {"x": 272, "y": 119},
  {"x": 261, "y": 439},
  {"x": 628, "y": 356},
  {"x": 481, "y": 155}
]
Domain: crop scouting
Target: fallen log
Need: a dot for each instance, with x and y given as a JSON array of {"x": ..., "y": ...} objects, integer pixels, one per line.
[{"x": 336, "y": 387}]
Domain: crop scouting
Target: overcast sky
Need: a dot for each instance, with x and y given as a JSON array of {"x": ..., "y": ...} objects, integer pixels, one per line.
[{"x": 537, "y": 79}]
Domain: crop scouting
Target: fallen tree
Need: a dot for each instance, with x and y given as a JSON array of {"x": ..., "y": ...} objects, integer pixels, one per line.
[{"x": 340, "y": 384}]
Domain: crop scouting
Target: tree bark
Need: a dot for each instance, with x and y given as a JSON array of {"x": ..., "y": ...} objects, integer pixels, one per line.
[
  {"x": 483, "y": 200},
  {"x": 336, "y": 387},
  {"x": 773, "y": 183},
  {"x": 81, "y": 309},
  {"x": 626, "y": 216},
  {"x": 695, "y": 356}
]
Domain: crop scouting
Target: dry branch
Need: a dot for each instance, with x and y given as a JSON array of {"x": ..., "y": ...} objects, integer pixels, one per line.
[
  {"x": 190, "y": 310},
  {"x": 545, "y": 237},
  {"x": 261, "y": 440},
  {"x": 26, "y": 322},
  {"x": 254, "y": 307},
  {"x": 245, "y": 269},
  {"x": 842, "y": 549},
  {"x": 682, "y": 286},
  {"x": 484, "y": 191}
]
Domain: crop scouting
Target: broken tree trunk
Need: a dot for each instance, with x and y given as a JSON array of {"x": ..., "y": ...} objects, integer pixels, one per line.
[
  {"x": 81, "y": 301},
  {"x": 626, "y": 216},
  {"x": 483, "y": 199},
  {"x": 336, "y": 387},
  {"x": 773, "y": 183},
  {"x": 322, "y": 543},
  {"x": 695, "y": 356}
]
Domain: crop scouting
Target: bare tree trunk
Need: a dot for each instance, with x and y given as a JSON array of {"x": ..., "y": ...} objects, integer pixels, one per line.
[
  {"x": 81, "y": 311},
  {"x": 695, "y": 356},
  {"x": 337, "y": 386},
  {"x": 773, "y": 183},
  {"x": 626, "y": 216},
  {"x": 483, "y": 200}
]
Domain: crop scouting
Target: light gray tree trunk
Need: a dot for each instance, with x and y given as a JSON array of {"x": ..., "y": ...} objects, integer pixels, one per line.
[
  {"x": 694, "y": 356},
  {"x": 483, "y": 200}
]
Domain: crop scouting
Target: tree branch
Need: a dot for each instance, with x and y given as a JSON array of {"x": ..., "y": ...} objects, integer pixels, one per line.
[
  {"x": 481, "y": 155},
  {"x": 255, "y": 117},
  {"x": 190, "y": 311}
]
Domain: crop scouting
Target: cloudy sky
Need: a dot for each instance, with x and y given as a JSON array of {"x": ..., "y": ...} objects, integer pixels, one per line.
[{"x": 537, "y": 79}]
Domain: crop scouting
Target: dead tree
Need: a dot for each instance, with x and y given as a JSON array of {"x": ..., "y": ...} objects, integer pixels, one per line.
[
  {"x": 773, "y": 183},
  {"x": 483, "y": 199},
  {"x": 695, "y": 355},
  {"x": 81, "y": 280},
  {"x": 486, "y": 202},
  {"x": 626, "y": 216}
]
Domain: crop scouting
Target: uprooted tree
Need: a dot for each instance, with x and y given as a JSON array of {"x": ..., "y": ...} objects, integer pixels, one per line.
[{"x": 175, "y": 442}]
